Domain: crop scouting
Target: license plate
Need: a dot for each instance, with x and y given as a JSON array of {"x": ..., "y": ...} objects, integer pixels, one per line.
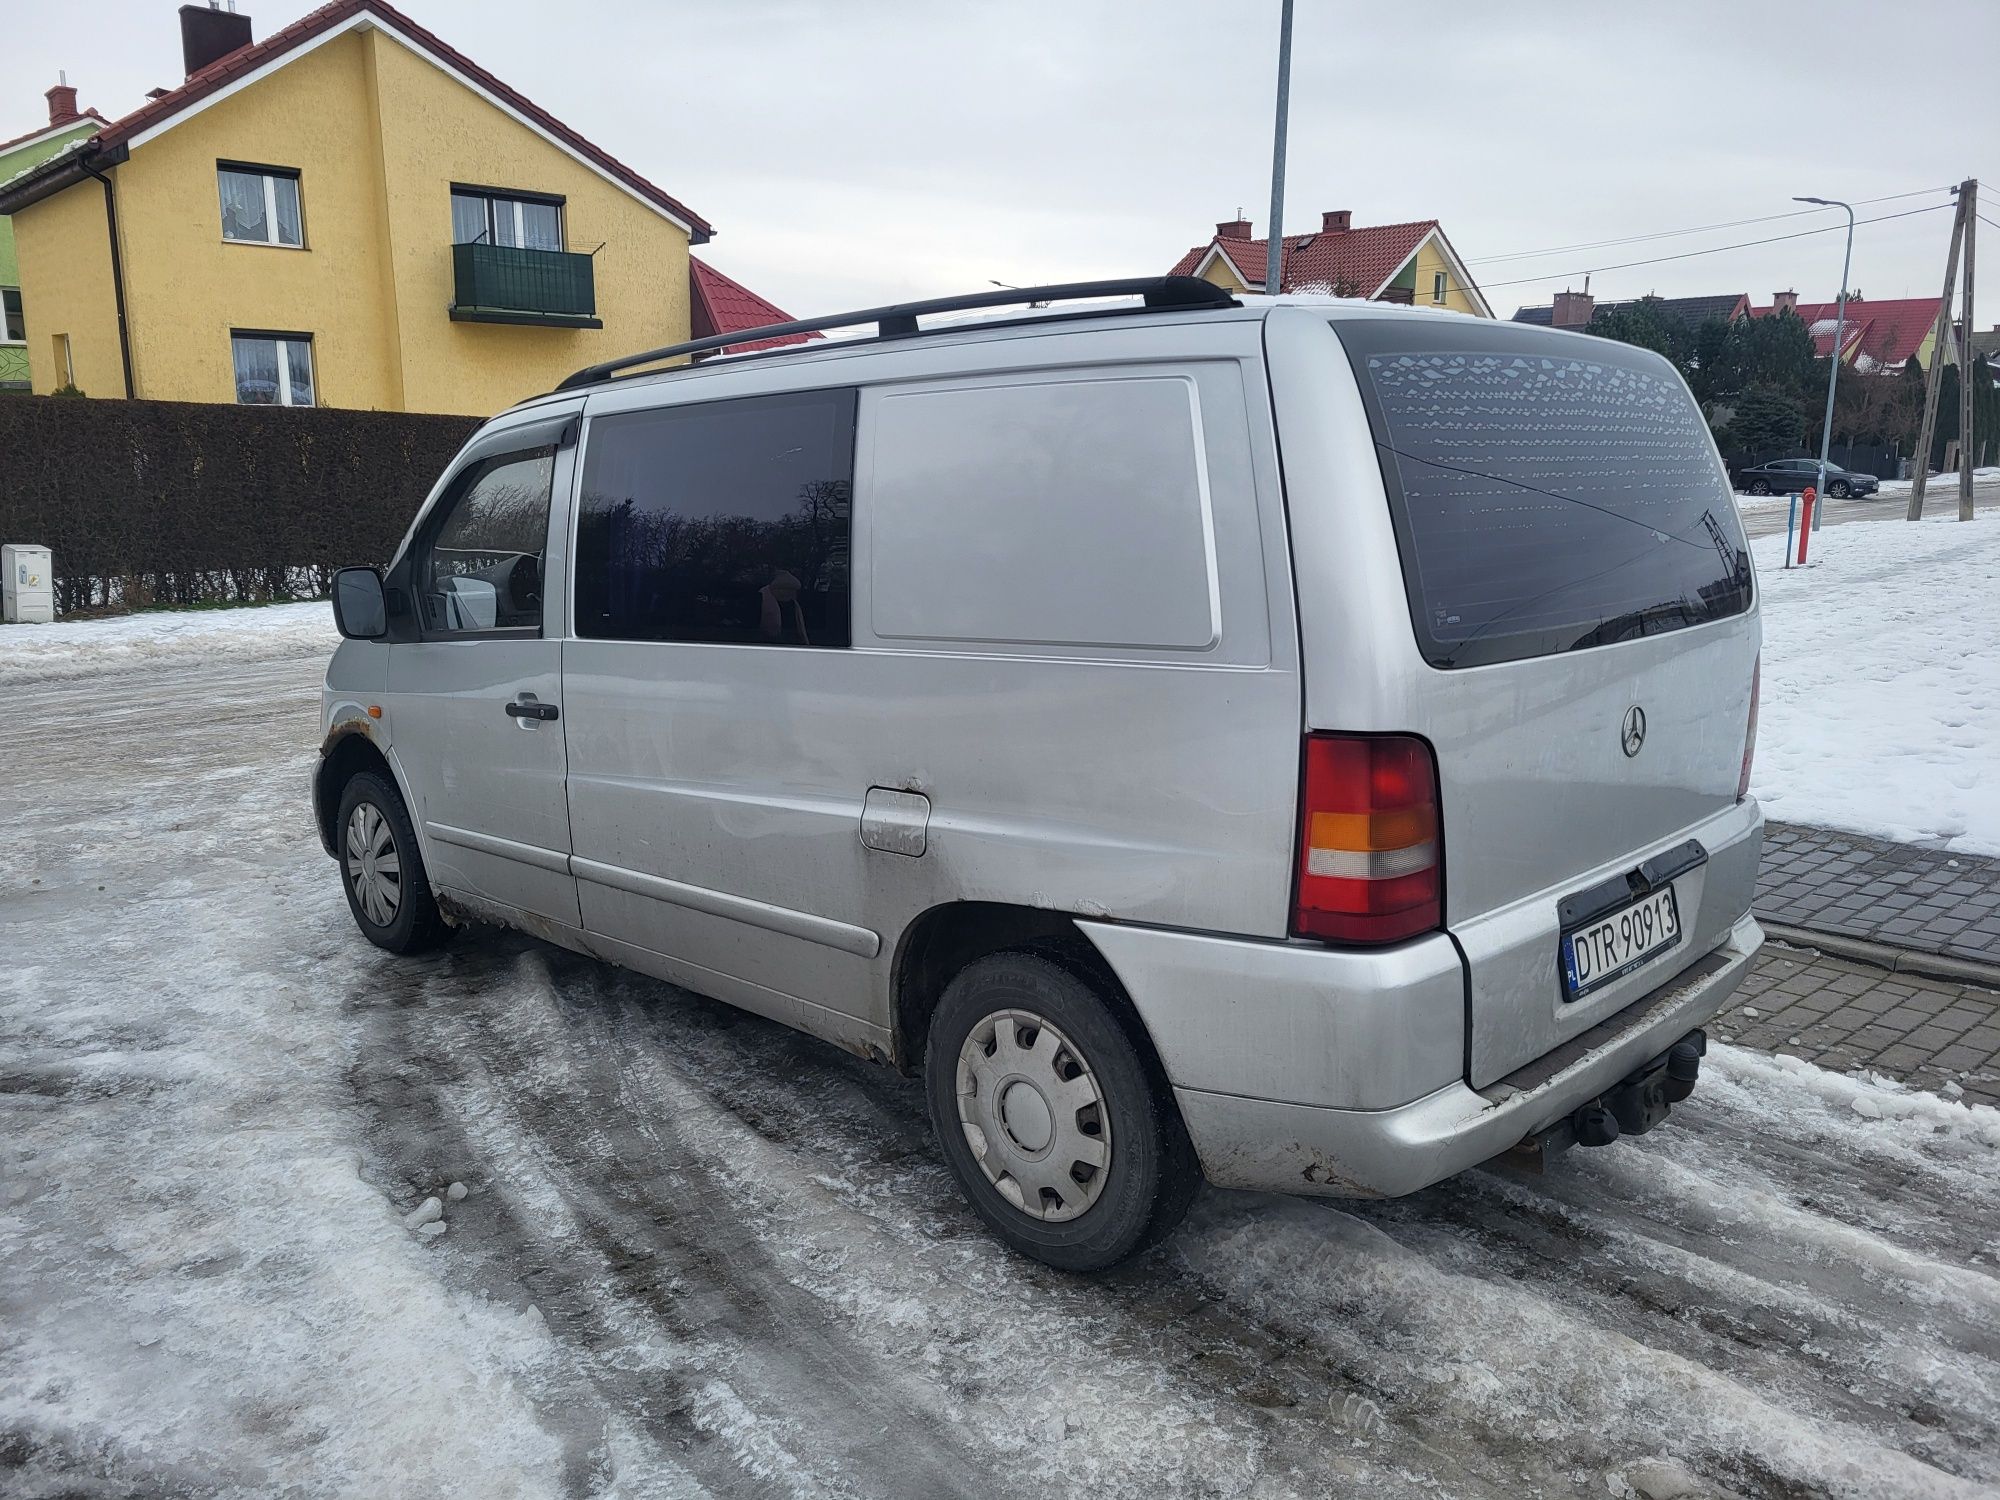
[{"x": 1619, "y": 942}]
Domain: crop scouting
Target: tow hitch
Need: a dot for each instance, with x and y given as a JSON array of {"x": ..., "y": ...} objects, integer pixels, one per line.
[{"x": 1632, "y": 1107}]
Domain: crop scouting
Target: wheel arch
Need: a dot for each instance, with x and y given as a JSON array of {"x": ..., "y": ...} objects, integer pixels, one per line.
[
  {"x": 945, "y": 938},
  {"x": 348, "y": 750}
]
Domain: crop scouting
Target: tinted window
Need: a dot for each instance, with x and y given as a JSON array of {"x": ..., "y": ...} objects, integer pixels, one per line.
[
  {"x": 725, "y": 521},
  {"x": 483, "y": 567},
  {"x": 1546, "y": 497}
]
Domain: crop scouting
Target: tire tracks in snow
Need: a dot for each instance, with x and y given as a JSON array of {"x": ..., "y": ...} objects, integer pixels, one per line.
[{"x": 792, "y": 1175}]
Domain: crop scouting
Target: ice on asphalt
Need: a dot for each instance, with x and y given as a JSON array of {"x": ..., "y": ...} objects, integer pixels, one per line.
[
  {"x": 707, "y": 1256},
  {"x": 1884, "y": 653},
  {"x": 163, "y": 638}
]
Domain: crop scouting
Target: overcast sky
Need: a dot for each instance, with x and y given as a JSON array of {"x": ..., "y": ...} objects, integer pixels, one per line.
[{"x": 858, "y": 152}]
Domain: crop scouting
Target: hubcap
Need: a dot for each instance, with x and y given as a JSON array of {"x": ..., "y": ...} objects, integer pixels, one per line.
[
  {"x": 374, "y": 868},
  {"x": 1033, "y": 1115}
]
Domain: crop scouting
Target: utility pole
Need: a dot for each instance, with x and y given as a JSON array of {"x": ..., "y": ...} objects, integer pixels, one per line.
[
  {"x": 1833, "y": 365},
  {"x": 1274, "y": 257},
  {"x": 1968, "y": 450},
  {"x": 1934, "y": 379}
]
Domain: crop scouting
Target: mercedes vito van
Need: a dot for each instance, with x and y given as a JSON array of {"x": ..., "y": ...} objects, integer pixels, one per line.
[{"x": 1300, "y": 742}]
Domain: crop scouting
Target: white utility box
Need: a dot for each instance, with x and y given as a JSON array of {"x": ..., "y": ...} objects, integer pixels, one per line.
[{"x": 28, "y": 590}]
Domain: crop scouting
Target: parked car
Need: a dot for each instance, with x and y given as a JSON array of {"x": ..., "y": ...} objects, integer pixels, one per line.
[
  {"x": 1790, "y": 476},
  {"x": 1150, "y": 725}
]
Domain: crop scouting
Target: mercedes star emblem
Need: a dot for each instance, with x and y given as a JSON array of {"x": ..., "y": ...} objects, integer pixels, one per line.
[{"x": 1634, "y": 734}]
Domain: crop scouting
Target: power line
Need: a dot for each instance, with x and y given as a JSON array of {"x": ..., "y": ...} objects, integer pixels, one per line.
[
  {"x": 1663, "y": 234},
  {"x": 1711, "y": 250}
]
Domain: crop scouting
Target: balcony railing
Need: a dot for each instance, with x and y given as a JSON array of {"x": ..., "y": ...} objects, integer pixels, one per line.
[{"x": 507, "y": 284}]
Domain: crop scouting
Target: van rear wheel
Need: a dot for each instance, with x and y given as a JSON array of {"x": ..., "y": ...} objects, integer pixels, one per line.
[
  {"x": 382, "y": 870},
  {"x": 1055, "y": 1123}
]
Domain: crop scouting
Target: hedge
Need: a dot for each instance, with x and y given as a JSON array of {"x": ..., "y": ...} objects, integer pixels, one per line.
[{"x": 175, "y": 502}]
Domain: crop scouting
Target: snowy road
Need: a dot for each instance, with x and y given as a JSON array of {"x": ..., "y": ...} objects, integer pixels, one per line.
[
  {"x": 1765, "y": 515},
  {"x": 703, "y": 1256}
]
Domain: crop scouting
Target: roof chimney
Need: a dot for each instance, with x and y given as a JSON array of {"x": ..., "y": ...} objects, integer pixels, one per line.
[
  {"x": 1233, "y": 229},
  {"x": 1336, "y": 221},
  {"x": 62, "y": 102},
  {"x": 1572, "y": 310},
  {"x": 1784, "y": 302},
  {"x": 210, "y": 33}
]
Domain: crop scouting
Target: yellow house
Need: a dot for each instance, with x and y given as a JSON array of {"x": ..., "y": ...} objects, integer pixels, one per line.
[
  {"x": 1408, "y": 263},
  {"x": 348, "y": 213}
]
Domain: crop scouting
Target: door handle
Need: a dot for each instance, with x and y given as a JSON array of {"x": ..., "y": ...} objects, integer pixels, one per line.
[{"x": 530, "y": 709}]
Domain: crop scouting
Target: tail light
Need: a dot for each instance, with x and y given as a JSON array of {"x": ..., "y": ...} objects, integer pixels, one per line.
[
  {"x": 1750, "y": 734},
  {"x": 1370, "y": 848}
]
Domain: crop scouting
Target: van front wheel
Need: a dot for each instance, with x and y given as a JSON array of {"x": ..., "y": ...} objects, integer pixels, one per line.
[
  {"x": 382, "y": 870},
  {"x": 1056, "y": 1127}
]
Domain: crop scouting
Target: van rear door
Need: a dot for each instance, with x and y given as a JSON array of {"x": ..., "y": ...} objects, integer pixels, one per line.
[{"x": 1576, "y": 638}]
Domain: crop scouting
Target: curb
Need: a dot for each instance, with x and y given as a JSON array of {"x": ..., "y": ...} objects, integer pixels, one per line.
[{"x": 1886, "y": 955}]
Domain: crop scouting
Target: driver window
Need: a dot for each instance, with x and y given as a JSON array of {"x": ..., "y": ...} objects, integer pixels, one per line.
[{"x": 483, "y": 570}]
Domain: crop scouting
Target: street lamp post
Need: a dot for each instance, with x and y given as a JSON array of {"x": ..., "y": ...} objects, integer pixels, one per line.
[
  {"x": 1833, "y": 370},
  {"x": 1274, "y": 255}
]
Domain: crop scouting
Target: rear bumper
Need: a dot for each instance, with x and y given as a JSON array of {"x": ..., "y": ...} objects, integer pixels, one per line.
[{"x": 1383, "y": 1153}]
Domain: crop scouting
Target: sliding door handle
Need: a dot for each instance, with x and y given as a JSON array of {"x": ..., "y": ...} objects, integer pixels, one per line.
[{"x": 528, "y": 708}]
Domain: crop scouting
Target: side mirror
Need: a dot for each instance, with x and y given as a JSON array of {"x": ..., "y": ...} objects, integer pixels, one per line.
[{"x": 359, "y": 609}]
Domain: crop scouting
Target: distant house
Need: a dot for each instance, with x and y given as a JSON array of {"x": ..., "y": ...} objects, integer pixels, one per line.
[
  {"x": 66, "y": 126},
  {"x": 1575, "y": 309},
  {"x": 1876, "y": 335},
  {"x": 1412, "y": 263}
]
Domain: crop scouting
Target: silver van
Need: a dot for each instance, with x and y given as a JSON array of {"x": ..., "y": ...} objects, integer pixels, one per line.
[{"x": 1299, "y": 742}]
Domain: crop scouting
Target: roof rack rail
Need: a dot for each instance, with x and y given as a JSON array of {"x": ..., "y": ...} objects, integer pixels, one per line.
[{"x": 901, "y": 319}]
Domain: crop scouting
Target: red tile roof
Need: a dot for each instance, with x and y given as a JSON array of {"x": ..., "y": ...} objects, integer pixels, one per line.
[
  {"x": 81, "y": 118},
  {"x": 1359, "y": 259},
  {"x": 719, "y": 305},
  {"x": 225, "y": 70},
  {"x": 1886, "y": 332}
]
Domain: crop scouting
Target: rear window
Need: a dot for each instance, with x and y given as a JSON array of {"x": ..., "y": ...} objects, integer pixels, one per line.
[{"x": 1547, "y": 497}]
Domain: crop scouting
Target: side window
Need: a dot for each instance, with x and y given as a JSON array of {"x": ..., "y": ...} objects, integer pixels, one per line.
[
  {"x": 726, "y": 521},
  {"x": 1069, "y": 512},
  {"x": 482, "y": 568}
]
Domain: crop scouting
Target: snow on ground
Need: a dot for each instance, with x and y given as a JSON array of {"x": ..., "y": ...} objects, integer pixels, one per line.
[
  {"x": 702, "y": 1255},
  {"x": 1881, "y": 682},
  {"x": 1939, "y": 485},
  {"x": 163, "y": 638}
]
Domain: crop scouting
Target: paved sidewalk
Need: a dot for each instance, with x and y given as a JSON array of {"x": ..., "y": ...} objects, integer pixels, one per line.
[
  {"x": 1905, "y": 905},
  {"x": 1926, "y": 900},
  {"x": 1844, "y": 1015}
]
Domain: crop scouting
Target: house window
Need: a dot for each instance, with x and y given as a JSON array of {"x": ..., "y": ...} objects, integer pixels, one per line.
[
  {"x": 491, "y": 217},
  {"x": 65, "y": 362},
  {"x": 14, "y": 330},
  {"x": 1437, "y": 286},
  {"x": 273, "y": 369},
  {"x": 260, "y": 205}
]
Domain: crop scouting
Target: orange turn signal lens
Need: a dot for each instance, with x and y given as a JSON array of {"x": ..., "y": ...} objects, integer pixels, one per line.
[{"x": 1370, "y": 831}]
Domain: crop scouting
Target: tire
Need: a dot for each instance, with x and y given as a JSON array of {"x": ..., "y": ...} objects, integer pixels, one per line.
[
  {"x": 1839, "y": 490},
  {"x": 1041, "y": 1024},
  {"x": 394, "y": 911},
  {"x": 1760, "y": 487}
]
